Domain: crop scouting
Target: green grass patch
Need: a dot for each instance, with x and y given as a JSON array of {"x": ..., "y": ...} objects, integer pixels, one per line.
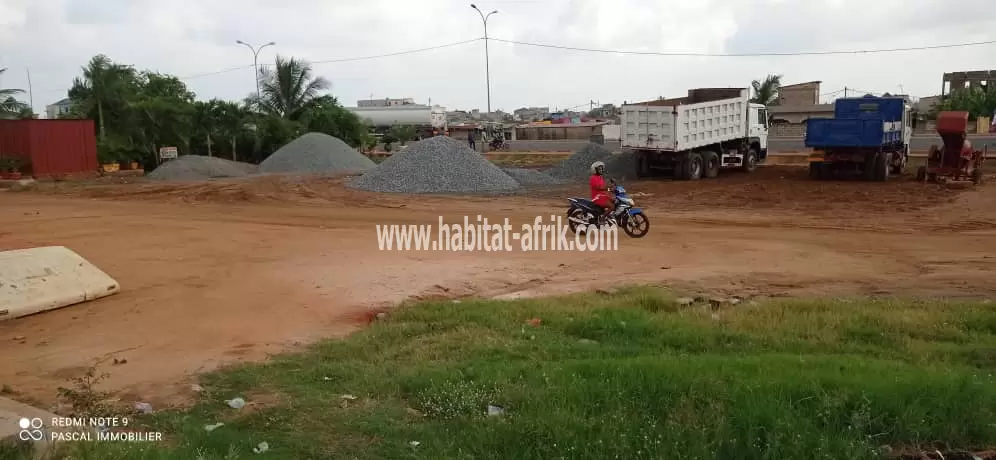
[{"x": 629, "y": 375}]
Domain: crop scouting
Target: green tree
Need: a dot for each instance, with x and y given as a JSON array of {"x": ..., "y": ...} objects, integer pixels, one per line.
[
  {"x": 324, "y": 114},
  {"x": 206, "y": 121},
  {"x": 10, "y": 107},
  {"x": 103, "y": 91},
  {"x": 403, "y": 133},
  {"x": 287, "y": 90},
  {"x": 978, "y": 102},
  {"x": 231, "y": 119},
  {"x": 766, "y": 91}
]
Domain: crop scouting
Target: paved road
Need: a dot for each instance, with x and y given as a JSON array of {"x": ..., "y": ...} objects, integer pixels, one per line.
[{"x": 919, "y": 143}]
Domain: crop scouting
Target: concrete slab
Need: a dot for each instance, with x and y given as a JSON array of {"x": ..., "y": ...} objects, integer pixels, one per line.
[{"x": 15, "y": 415}]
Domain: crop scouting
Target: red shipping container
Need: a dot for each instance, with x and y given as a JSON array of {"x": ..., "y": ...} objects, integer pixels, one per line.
[{"x": 53, "y": 147}]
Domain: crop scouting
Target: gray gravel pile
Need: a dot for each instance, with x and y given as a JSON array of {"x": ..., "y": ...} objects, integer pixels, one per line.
[
  {"x": 577, "y": 166},
  {"x": 531, "y": 177},
  {"x": 316, "y": 153},
  {"x": 436, "y": 165},
  {"x": 199, "y": 167}
]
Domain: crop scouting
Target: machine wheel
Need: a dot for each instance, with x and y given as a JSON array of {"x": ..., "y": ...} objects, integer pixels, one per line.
[
  {"x": 691, "y": 168},
  {"x": 817, "y": 171},
  {"x": 750, "y": 161},
  {"x": 921, "y": 174},
  {"x": 977, "y": 176},
  {"x": 710, "y": 161},
  {"x": 882, "y": 166}
]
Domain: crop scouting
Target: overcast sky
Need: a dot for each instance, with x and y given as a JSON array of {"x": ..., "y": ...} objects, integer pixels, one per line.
[{"x": 54, "y": 38}]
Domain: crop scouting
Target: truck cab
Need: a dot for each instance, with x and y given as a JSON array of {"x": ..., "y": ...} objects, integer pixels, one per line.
[{"x": 758, "y": 123}]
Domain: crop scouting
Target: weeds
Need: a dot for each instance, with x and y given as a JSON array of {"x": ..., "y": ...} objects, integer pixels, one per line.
[{"x": 84, "y": 397}]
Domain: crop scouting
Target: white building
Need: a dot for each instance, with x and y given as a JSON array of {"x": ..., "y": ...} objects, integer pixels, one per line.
[{"x": 54, "y": 110}]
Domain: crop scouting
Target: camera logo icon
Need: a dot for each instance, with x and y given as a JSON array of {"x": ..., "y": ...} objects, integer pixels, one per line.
[{"x": 31, "y": 429}]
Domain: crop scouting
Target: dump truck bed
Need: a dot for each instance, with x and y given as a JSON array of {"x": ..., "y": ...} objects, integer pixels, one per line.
[
  {"x": 707, "y": 116},
  {"x": 829, "y": 132}
]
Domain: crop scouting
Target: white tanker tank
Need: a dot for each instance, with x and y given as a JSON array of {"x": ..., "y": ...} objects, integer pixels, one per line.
[{"x": 416, "y": 115}]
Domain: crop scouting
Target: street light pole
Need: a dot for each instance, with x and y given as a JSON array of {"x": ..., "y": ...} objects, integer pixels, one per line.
[
  {"x": 487, "y": 63},
  {"x": 255, "y": 61}
]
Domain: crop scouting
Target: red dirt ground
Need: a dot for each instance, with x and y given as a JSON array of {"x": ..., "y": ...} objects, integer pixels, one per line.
[{"x": 226, "y": 271}]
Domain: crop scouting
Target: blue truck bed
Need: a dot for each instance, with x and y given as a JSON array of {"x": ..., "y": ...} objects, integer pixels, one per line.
[{"x": 859, "y": 122}]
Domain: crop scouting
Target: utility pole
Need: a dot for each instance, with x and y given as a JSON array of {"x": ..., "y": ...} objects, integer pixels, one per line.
[
  {"x": 255, "y": 62},
  {"x": 487, "y": 60},
  {"x": 31, "y": 93}
]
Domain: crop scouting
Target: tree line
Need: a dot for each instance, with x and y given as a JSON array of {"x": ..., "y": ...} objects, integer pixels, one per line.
[{"x": 137, "y": 112}]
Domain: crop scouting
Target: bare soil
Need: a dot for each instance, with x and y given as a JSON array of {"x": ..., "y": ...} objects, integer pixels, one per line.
[{"x": 233, "y": 270}]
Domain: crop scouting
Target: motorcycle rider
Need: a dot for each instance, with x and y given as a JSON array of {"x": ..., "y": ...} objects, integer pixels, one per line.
[{"x": 600, "y": 191}]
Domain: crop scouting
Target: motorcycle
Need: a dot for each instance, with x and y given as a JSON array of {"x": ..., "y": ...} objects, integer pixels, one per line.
[
  {"x": 583, "y": 213},
  {"x": 498, "y": 144}
]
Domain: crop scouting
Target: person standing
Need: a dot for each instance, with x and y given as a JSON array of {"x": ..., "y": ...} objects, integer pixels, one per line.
[{"x": 471, "y": 141}]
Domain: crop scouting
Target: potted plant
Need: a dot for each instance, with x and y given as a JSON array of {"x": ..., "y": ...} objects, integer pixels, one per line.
[
  {"x": 108, "y": 160},
  {"x": 10, "y": 168}
]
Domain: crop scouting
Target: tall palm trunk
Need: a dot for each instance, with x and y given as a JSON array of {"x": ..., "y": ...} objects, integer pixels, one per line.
[
  {"x": 100, "y": 119},
  {"x": 234, "y": 154}
]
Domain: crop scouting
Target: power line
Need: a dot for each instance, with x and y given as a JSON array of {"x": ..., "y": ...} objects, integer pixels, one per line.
[
  {"x": 349, "y": 59},
  {"x": 759, "y": 54},
  {"x": 398, "y": 53}
]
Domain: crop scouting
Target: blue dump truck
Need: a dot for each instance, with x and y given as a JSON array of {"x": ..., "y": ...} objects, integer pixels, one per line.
[{"x": 868, "y": 135}]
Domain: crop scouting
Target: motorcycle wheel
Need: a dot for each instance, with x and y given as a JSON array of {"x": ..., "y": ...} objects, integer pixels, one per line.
[
  {"x": 635, "y": 225},
  {"x": 574, "y": 213}
]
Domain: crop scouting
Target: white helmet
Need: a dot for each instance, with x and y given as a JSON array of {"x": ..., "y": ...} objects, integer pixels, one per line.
[{"x": 596, "y": 165}]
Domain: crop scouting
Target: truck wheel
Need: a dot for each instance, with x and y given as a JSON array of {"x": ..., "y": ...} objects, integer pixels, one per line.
[
  {"x": 642, "y": 167},
  {"x": 816, "y": 171},
  {"x": 750, "y": 161},
  {"x": 882, "y": 166},
  {"x": 868, "y": 171},
  {"x": 904, "y": 159},
  {"x": 691, "y": 167},
  {"x": 710, "y": 160}
]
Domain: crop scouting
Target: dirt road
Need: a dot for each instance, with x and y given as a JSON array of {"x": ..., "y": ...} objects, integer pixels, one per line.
[{"x": 235, "y": 270}]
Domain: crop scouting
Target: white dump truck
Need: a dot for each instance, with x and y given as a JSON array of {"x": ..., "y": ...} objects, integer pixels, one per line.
[{"x": 695, "y": 136}]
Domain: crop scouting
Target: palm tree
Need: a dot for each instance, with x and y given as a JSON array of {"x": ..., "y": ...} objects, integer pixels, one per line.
[
  {"x": 287, "y": 90},
  {"x": 102, "y": 85},
  {"x": 206, "y": 120},
  {"x": 231, "y": 120},
  {"x": 766, "y": 92},
  {"x": 9, "y": 106}
]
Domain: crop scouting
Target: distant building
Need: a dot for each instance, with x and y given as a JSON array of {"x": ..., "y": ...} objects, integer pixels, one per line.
[
  {"x": 386, "y": 102},
  {"x": 62, "y": 107},
  {"x": 964, "y": 80},
  {"x": 531, "y": 113},
  {"x": 800, "y": 94}
]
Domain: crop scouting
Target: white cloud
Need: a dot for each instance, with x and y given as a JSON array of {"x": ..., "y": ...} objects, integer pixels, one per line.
[{"x": 54, "y": 38}]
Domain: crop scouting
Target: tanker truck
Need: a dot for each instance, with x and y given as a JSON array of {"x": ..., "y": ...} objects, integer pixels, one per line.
[
  {"x": 424, "y": 118},
  {"x": 695, "y": 136}
]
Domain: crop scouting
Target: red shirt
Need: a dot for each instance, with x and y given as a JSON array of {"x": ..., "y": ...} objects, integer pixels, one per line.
[{"x": 597, "y": 184}]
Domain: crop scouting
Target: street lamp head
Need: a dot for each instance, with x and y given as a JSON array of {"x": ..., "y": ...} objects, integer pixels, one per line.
[
  {"x": 240, "y": 42},
  {"x": 271, "y": 43},
  {"x": 473, "y": 6},
  {"x": 493, "y": 12}
]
